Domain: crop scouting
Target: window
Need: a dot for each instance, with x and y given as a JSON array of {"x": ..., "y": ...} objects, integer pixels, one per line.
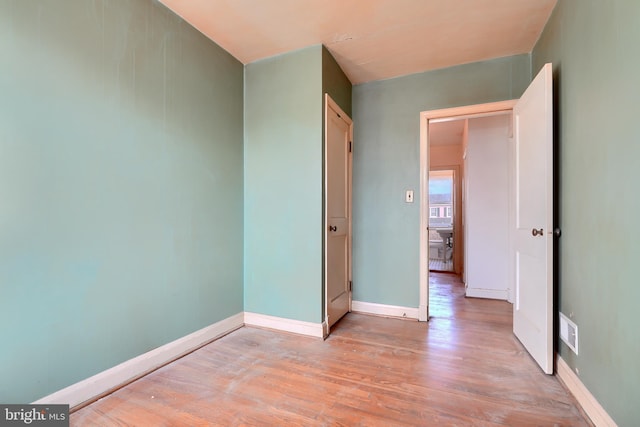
[{"x": 441, "y": 198}]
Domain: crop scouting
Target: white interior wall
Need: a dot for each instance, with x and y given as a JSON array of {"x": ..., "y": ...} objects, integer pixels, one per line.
[{"x": 487, "y": 207}]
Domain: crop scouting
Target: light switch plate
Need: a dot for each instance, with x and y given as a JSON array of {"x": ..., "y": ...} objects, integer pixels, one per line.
[{"x": 408, "y": 196}]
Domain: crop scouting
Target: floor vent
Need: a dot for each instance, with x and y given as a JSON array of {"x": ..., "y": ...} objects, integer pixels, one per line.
[{"x": 569, "y": 333}]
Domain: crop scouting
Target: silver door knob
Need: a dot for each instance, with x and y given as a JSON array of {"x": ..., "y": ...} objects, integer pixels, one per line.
[{"x": 535, "y": 232}]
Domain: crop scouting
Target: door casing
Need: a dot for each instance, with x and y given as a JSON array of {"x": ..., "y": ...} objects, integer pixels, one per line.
[{"x": 433, "y": 116}]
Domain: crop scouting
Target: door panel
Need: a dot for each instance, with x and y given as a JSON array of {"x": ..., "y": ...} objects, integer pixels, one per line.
[
  {"x": 337, "y": 212},
  {"x": 533, "y": 233},
  {"x": 337, "y": 274}
]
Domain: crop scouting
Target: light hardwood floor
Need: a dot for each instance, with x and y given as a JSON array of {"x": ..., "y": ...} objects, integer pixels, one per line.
[{"x": 462, "y": 368}]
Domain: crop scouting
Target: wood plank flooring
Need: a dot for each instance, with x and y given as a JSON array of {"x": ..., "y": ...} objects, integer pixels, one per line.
[{"x": 462, "y": 368}]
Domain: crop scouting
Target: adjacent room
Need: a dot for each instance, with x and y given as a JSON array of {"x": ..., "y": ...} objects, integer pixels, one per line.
[{"x": 267, "y": 212}]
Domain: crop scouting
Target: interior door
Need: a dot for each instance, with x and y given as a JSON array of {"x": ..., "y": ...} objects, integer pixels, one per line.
[
  {"x": 533, "y": 234},
  {"x": 337, "y": 268}
]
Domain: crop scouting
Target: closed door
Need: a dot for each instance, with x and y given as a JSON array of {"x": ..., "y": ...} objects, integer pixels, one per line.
[
  {"x": 337, "y": 212},
  {"x": 533, "y": 231}
]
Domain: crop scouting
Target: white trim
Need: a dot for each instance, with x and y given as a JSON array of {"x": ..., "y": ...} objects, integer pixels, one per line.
[
  {"x": 132, "y": 369},
  {"x": 469, "y": 111},
  {"x": 589, "y": 404},
  {"x": 440, "y": 115},
  {"x": 286, "y": 325},
  {"x": 501, "y": 294},
  {"x": 423, "y": 250},
  {"x": 385, "y": 310}
]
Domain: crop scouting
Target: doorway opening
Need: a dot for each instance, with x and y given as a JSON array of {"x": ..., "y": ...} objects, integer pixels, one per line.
[
  {"x": 529, "y": 204},
  {"x": 435, "y": 159},
  {"x": 441, "y": 219}
]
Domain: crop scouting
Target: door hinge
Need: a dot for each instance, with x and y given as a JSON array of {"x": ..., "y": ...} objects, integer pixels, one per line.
[
  {"x": 350, "y": 285},
  {"x": 350, "y": 148}
]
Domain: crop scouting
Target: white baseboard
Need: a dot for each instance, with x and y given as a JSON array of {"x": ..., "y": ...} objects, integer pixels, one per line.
[
  {"x": 384, "y": 309},
  {"x": 286, "y": 325},
  {"x": 488, "y": 293},
  {"x": 114, "y": 378},
  {"x": 591, "y": 406}
]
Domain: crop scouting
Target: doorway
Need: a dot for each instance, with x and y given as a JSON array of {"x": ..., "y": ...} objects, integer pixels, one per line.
[
  {"x": 442, "y": 215},
  {"x": 337, "y": 212},
  {"x": 427, "y": 152},
  {"x": 531, "y": 232}
]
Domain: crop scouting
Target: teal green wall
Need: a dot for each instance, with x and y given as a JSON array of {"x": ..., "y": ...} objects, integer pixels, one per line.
[
  {"x": 124, "y": 184},
  {"x": 593, "y": 45},
  {"x": 386, "y": 163},
  {"x": 335, "y": 82},
  {"x": 120, "y": 186},
  {"x": 283, "y": 178},
  {"x": 283, "y": 186}
]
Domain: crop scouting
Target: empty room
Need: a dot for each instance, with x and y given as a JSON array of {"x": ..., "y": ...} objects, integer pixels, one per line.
[{"x": 219, "y": 212}]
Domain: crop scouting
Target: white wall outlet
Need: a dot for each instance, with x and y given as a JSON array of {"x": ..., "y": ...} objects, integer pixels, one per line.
[{"x": 408, "y": 197}]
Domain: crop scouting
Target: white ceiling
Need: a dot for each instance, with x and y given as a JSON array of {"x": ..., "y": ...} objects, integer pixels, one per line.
[{"x": 372, "y": 39}]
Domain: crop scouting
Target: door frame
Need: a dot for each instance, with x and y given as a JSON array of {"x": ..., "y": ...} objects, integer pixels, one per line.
[
  {"x": 434, "y": 116},
  {"x": 457, "y": 213},
  {"x": 330, "y": 103}
]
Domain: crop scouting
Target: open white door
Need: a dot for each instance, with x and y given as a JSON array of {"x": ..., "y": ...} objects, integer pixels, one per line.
[
  {"x": 337, "y": 257},
  {"x": 533, "y": 233}
]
